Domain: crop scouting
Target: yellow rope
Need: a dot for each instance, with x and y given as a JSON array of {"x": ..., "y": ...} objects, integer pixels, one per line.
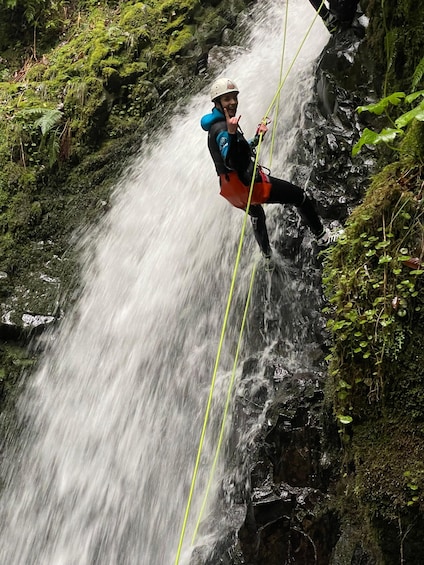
[
  {"x": 218, "y": 356},
  {"x": 282, "y": 82},
  {"x": 226, "y": 407},
  {"x": 252, "y": 183},
  {"x": 283, "y": 50},
  {"x": 209, "y": 403},
  {"x": 223, "y": 330}
]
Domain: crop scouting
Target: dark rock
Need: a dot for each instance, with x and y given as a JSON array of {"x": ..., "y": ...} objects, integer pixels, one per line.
[{"x": 291, "y": 466}]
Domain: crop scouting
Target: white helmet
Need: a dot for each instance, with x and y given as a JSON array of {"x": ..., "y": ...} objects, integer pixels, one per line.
[{"x": 222, "y": 86}]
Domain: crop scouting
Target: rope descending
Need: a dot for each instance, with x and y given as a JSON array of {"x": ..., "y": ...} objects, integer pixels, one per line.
[{"x": 275, "y": 101}]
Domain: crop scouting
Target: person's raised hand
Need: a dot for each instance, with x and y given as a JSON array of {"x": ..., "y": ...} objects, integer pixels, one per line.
[
  {"x": 232, "y": 123},
  {"x": 262, "y": 129}
]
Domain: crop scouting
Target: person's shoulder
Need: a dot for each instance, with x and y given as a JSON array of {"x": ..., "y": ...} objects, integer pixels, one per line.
[{"x": 208, "y": 120}]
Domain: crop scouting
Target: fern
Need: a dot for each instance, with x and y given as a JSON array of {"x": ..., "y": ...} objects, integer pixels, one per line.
[
  {"x": 47, "y": 120},
  {"x": 53, "y": 149},
  {"x": 390, "y": 41},
  {"x": 11, "y": 4},
  {"x": 418, "y": 74}
]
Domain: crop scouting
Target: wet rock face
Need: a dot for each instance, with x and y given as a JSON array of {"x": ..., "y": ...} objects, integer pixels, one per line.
[
  {"x": 284, "y": 522},
  {"x": 281, "y": 515},
  {"x": 288, "y": 518},
  {"x": 344, "y": 81}
]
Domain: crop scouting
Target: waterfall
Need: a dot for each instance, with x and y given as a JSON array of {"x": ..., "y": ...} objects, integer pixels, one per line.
[{"x": 114, "y": 413}]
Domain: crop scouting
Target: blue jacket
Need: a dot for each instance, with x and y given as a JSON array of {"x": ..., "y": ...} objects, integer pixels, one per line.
[{"x": 222, "y": 138}]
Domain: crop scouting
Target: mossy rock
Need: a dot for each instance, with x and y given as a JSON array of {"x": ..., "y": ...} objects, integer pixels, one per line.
[
  {"x": 143, "y": 95},
  {"x": 130, "y": 72},
  {"x": 181, "y": 41},
  {"x": 112, "y": 79},
  {"x": 134, "y": 18}
]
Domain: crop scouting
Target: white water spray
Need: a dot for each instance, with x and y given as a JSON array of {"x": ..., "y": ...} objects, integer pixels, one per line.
[{"x": 115, "y": 411}]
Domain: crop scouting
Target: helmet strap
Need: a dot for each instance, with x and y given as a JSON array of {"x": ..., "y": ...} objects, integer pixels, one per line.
[{"x": 218, "y": 104}]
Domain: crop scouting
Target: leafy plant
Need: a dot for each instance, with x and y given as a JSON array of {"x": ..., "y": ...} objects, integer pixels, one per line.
[
  {"x": 372, "y": 282},
  {"x": 47, "y": 118},
  {"x": 387, "y": 135},
  {"x": 48, "y": 121},
  {"x": 418, "y": 74},
  {"x": 413, "y": 480}
]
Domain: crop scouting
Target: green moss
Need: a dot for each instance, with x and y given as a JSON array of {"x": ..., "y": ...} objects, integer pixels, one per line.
[
  {"x": 22, "y": 212},
  {"x": 395, "y": 38},
  {"x": 131, "y": 71},
  {"x": 97, "y": 54},
  {"x": 112, "y": 79},
  {"x": 102, "y": 54},
  {"x": 7, "y": 245},
  {"x": 376, "y": 379},
  {"x": 380, "y": 495},
  {"x": 134, "y": 18},
  {"x": 387, "y": 481},
  {"x": 180, "y": 41},
  {"x": 172, "y": 8},
  {"x": 373, "y": 293},
  {"x": 412, "y": 146}
]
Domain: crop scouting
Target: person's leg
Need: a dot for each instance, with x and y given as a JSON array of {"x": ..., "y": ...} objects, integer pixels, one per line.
[
  {"x": 283, "y": 192},
  {"x": 257, "y": 216}
]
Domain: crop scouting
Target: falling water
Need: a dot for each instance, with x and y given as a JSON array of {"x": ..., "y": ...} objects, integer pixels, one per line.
[{"x": 114, "y": 413}]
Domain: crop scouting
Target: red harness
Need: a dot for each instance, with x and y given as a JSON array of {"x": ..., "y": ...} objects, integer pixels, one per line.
[{"x": 237, "y": 193}]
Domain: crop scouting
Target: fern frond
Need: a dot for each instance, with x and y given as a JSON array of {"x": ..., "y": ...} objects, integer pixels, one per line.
[
  {"x": 33, "y": 111},
  {"x": 47, "y": 118},
  {"x": 389, "y": 44},
  {"x": 53, "y": 148},
  {"x": 418, "y": 74}
]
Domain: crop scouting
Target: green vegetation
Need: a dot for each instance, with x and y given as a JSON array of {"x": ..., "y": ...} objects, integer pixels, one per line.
[
  {"x": 80, "y": 77},
  {"x": 387, "y": 135},
  {"x": 82, "y": 84},
  {"x": 374, "y": 281},
  {"x": 374, "y": 278}
]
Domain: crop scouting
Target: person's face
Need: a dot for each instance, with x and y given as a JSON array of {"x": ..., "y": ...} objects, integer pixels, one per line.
[{"x": 230, "y": 102}]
